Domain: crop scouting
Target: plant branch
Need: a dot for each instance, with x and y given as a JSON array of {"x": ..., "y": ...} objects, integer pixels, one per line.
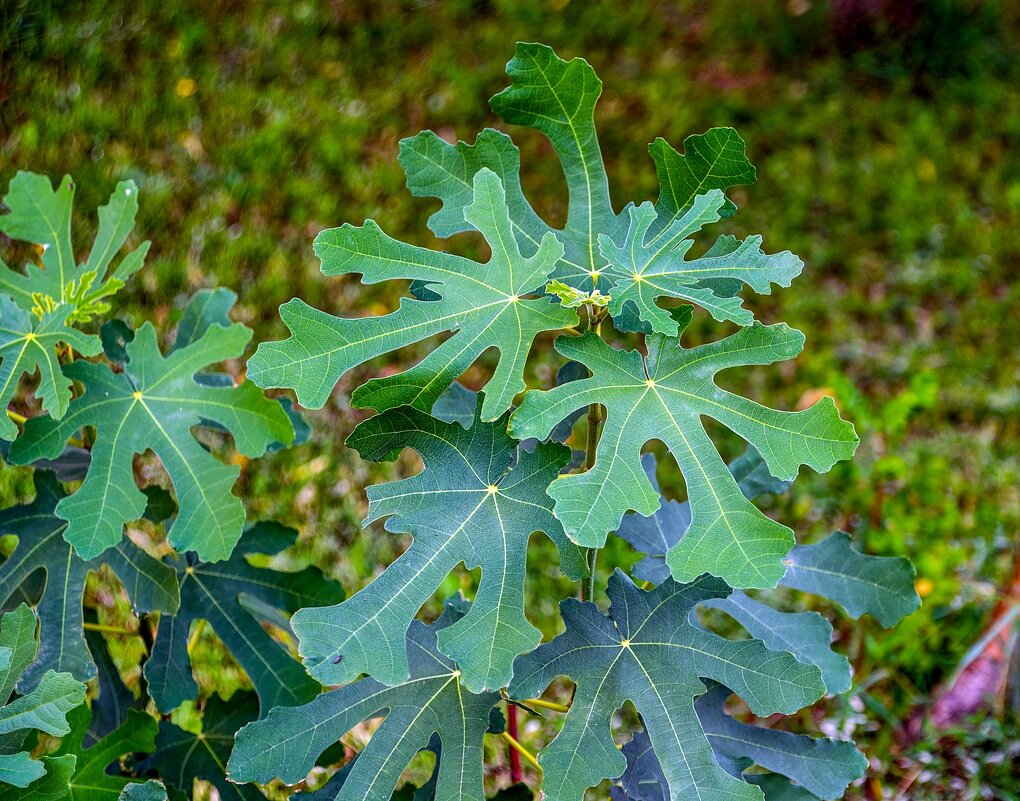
[
  {"x": 105, "y": 629},
  {"x": 547, "y": 705},
  {"x": 524, "y": 752}
]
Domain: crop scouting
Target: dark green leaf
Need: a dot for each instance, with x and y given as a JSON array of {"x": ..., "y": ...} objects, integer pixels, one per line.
[
  {"x": 92, "y": 779},
  {"x": 181, "y": 756},
  {"x": 476, "y": 502},
  {"x": 649, "y": 652},
  {"x": 41, "y": 548},
  {"x": 880, "y": 586},
  {"x": 431, "y": 701},
  {"x": 217, "y": 593}
]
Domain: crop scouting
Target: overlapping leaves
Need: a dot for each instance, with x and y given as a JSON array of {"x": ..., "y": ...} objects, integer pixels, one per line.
[
  {"x": 43, "y": 709},
  {"x": 153, "y": 404},
  {"x": 150, "y": 585},
  {"x": 648, "y": 650},
  {"x": 477, "y": 501},
  {"x": 430, "y": 701},
  {"x": 823, "y": 767},
  {"x": 181, "y": 756},
  {"x": 485, "y": 304},
  {"x": 558, "y": 98},
  {"x": 880, "y": 586},
  {"x": 91, "y": 778},
  {"x": 663, "y": 396},
  {"x": 233, "y": 597},
  {"x": 39, "y": 307}
]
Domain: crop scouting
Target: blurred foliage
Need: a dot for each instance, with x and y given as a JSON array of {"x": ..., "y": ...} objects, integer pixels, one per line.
[{"x": 885, "y": 139}]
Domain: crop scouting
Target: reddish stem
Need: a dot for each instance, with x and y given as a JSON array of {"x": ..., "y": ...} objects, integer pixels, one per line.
[{"x": 515, "y": 758}]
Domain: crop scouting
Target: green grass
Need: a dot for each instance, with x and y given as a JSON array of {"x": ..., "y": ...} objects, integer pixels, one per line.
[{"x": 890, "y": 169}]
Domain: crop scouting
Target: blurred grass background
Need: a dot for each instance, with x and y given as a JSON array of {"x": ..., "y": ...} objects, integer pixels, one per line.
[{"x": 885, "y": 136}]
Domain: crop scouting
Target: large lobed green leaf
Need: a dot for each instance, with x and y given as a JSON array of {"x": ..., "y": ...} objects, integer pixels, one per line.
[
  {"x": 663, "y": 396},
  {"x": 821, "y": 767},
  {"x": 485, "y": 304},
  {"x": 558, "y": 98},
  {"x": 233, "y": 597},
  {"x": 44, "y": 709},
  {"x": 650, "y": 651},
  {"x": 153, "y": 404},
  {"x": 430, "y": 701},
  {"x": 478, "y": 501},
  {"x": 151, "y": 586}
]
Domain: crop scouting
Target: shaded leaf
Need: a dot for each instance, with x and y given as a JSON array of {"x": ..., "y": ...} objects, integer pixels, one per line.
[
  {"x": 431, "y": 701},
  {"x": 152, "y": 405},
  {"x": 880, "y": 586},
  {"x": 663, "y": 396},
  {"x": 92, "y": 779},
  {"x": 649, "y": 652},
  {"x": 181, "y": 756},
  {"x": 217, "y": 593},
  {"x": 110, "y": 707},
  {"x": 478, "y": 502},
  {"x": 42, "y": 550},
  {"x": 485, "y": 304},
  {"x": 823, "y": 766}
]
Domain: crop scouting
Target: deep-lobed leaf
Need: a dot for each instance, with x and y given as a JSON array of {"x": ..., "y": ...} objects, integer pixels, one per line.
[
  {"x": 93, "y": 779},
  {"x": 153, "y": 404},
  {"x": 42, "y": 215},
  {"x": 478, "y": 501},
  {"x": 44, "y": 709},
  {"x": 181, "y": 757},
  {"x": 558, "y": 98},
  {"x": 430, "y": 701},
  {"x": 883, "y": 587},
  {"x": 485, "y": 304},
  {"x": 648, "y": 650},
  {"x": 150, "y": 585},
  {"x": 233, "y": 596},
  {"x": 29, "y": 343},
  {"x": 663, "y": 396},
  {"x": 822, "y": 767},
  {"x": 646, "y": 267}
]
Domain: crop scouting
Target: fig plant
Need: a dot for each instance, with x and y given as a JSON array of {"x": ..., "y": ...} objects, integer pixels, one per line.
[{"x": 614, "y": 292}]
